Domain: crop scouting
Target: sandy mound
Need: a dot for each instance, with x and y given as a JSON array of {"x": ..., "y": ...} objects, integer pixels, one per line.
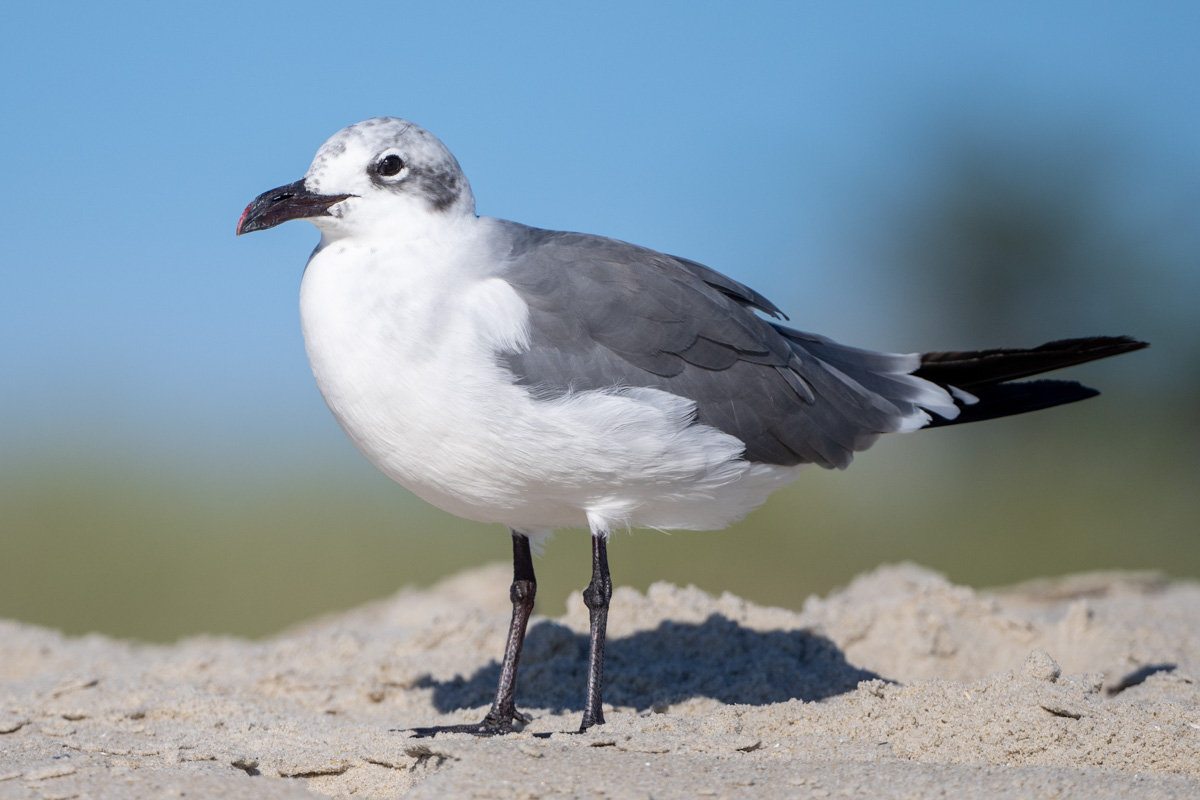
[{"x": 901, "y": 685}]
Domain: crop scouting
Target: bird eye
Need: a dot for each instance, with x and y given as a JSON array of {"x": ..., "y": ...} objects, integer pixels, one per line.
[{"x": 389, "y": 166}]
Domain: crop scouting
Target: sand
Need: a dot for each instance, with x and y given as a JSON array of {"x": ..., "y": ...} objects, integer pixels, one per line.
[{"x": 901, "y": 685}]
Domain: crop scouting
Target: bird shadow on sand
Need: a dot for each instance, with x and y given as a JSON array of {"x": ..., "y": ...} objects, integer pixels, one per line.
[{"x": 717, "y": 658}]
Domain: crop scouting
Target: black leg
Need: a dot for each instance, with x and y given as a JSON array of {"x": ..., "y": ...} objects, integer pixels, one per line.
[
  {"x": 596, "y": 597},
  {"x": 522, "y": 592},
  {"x": 503, "y": 716}
]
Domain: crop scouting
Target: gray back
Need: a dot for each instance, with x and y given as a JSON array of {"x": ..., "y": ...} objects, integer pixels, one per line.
[{"x": 606, "y": 313}]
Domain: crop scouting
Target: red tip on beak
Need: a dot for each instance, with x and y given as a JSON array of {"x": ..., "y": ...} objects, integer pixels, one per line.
[
  {"x": 242, "y": 219},
  {"x": 287, "y": 202}
]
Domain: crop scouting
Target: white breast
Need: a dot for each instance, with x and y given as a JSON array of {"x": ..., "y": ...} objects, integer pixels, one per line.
[{"x": 402, "y": 338}]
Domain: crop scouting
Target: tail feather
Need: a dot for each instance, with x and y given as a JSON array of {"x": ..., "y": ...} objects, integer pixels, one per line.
[{"x": 985, "y": 374}]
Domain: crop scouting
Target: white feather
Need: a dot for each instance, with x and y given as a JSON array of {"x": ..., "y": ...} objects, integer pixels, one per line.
[{"x": 402, "y": 335}]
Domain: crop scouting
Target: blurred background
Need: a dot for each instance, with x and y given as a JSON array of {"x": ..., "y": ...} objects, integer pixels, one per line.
[{"x": 928, "y": 175}]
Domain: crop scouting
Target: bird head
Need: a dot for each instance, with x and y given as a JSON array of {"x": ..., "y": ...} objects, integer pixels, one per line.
[{"x": 374, "y": 173}]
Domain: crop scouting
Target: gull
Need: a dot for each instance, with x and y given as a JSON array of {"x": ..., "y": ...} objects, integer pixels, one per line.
[{"x": 543, "y": 379}]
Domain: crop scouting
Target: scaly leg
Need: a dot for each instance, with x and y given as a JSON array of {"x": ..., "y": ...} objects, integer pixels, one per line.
[
  {"x": 503, "y": 716},
  {"x": 596, "y": 597},
  {"x": 522, "y": 592}
]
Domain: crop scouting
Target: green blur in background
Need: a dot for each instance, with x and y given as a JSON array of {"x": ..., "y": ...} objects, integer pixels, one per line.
[
  {"x": 143, "y": 555},
  {"x": 1008, "y": 249}
]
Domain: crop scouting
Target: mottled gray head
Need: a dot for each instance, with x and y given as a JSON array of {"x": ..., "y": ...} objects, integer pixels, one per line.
[{"x": 380, "y": 171}]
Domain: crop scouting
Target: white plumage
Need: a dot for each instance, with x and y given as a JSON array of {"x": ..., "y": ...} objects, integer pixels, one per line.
[{"x": 403, "y": 333}]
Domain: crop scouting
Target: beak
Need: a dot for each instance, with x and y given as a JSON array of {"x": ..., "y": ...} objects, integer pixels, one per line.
[{"x": 287, "y": 202}]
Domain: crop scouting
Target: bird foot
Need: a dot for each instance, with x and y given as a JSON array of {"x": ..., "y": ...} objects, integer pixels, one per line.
[{"x": 492, "y": 725}]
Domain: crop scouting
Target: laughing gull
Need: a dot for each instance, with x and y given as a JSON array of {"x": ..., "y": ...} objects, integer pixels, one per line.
[{"x": 544, "y": 379}]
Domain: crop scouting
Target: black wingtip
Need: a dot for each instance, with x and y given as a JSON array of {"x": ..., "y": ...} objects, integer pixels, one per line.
[
  {"x": 1007, "y": 399},
  {"x": 1090, "y": 348},
  {"x": 972, "y": 369}
]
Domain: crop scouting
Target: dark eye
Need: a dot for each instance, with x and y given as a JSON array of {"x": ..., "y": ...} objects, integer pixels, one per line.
[{"x": 389, "y": 166}]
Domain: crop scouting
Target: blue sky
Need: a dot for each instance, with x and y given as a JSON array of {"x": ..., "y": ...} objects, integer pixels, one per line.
[{"x": 758, "y": 138}]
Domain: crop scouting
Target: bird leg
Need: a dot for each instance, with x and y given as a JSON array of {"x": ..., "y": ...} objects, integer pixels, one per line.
[
  {"x": 522, "y": 592},
  {"x": 503, "y": 716},
  {"x": 596, "y": 597}
]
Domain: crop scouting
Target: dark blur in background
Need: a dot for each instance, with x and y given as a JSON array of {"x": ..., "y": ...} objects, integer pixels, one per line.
[{"x": 907, "y": 181}]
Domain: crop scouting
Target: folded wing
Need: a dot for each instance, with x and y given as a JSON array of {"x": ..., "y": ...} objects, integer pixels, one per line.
[{"x": 606, "y": 315}]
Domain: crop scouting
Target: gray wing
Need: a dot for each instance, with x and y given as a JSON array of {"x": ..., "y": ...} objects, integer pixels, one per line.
[{"x": 605, "y": 313}]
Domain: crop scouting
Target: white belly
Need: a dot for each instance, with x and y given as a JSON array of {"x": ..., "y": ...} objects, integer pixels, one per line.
[{"x": 405, "y": 359}]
